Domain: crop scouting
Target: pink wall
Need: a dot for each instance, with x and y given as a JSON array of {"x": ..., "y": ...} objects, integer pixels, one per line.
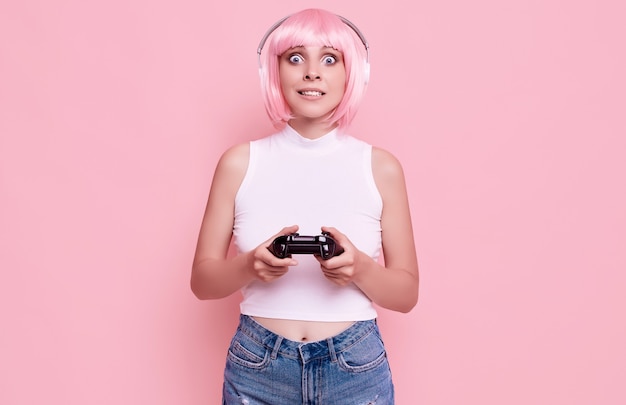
[{"x": 508, "y": 116}]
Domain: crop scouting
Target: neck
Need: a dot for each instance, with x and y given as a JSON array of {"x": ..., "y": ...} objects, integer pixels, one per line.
[{"x": 311, "y": 130}]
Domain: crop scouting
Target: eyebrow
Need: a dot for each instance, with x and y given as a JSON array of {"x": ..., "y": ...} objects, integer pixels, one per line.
[{"x": 303, "y": 49}]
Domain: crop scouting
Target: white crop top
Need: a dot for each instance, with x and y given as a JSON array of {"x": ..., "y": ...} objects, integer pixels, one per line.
[{"x": 293, "y": 180}]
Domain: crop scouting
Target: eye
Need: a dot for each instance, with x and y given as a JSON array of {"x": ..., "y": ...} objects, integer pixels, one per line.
[
  {"x": 329, "y": 60},
  {"x": 295, "y": 58}
]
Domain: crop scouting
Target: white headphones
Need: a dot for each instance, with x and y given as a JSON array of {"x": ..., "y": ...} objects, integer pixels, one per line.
[{"x": 344, "y": 20}]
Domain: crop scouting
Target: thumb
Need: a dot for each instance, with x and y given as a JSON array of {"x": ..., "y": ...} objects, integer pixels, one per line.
[
  {"x": 340, "y": 239},
  {"x": 334, "y": 233},
  {"x": 285, "y": 231}
]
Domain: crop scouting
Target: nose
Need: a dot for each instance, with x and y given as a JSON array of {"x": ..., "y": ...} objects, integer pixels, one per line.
[
  {"x": 311, "y": 73},
  {"x": 312, "y": 76}
]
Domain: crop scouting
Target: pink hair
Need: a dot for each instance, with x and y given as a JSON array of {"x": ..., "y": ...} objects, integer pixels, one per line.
[{"x": 314, "y": 27}]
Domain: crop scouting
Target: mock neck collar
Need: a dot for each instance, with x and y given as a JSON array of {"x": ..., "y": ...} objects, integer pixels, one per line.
[{"x": 325, "y": 143}]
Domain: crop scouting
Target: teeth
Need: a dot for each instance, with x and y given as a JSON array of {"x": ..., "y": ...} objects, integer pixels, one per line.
[{"x": 311, "y": 93}]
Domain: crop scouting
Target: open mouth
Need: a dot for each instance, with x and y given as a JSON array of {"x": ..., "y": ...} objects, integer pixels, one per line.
[{"x": 311, "y": 93}]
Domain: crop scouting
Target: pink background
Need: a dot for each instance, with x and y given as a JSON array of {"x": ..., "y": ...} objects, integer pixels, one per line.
[{"x": 509, "y": 117}]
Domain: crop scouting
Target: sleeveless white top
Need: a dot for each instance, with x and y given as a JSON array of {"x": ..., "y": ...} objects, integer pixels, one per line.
[{"x": 293, "y": 180}]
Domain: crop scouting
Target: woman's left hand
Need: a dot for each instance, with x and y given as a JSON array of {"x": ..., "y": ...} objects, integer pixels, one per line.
[{"x": 341, "y": 269}]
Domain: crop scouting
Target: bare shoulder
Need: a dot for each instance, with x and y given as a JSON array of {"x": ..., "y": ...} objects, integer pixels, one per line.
[
  {"x": 231, "y": 169},
  {"x": 236, "y": 157},
  {"x": 386, "y": 167}
]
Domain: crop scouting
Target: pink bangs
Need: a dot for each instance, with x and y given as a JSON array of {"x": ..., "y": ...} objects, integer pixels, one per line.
[{"x": 314, "y": 27}]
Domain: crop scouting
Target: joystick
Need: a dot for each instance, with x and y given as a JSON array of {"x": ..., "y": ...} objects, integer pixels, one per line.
[{"x": 319, "y": 245}]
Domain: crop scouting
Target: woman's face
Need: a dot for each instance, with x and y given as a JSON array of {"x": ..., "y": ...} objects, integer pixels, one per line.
[{"x": 313, "y": 81}]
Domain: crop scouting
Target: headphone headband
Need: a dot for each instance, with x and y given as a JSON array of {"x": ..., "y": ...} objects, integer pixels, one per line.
[{"x": 344, "y": 20}]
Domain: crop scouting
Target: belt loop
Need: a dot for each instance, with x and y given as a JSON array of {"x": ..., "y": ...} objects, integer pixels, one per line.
[
  {"x": 279, "y": 340},
  {"x": 331, "y": 350}
]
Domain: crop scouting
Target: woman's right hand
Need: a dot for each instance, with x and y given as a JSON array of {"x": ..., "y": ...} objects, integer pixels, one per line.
[{"x": 267, "y": 267}]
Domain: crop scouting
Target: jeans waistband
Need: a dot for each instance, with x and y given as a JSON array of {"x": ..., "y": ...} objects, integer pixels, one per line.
[{"x": 306, "y": 350}]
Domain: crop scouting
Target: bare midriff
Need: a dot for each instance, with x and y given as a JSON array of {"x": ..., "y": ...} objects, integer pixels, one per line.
[{"x": 303, "y": 331}]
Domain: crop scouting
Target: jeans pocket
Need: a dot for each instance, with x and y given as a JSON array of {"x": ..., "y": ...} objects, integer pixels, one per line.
[
  {"x": 248, "y": 354},
  {"x": 363, "y": 356}
]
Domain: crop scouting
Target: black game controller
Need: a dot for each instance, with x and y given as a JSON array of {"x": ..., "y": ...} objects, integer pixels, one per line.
[{"x": 293, "y": 244}]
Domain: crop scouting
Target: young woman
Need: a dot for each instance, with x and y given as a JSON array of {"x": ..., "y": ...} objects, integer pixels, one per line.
[{"x": 307, "y": 332}]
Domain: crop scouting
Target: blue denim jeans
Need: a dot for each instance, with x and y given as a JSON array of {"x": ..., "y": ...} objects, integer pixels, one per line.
[{"x": 348, "y": 369}]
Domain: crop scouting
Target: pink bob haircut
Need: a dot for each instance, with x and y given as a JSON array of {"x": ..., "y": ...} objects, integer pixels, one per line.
[{"x": 314, "y": 27}]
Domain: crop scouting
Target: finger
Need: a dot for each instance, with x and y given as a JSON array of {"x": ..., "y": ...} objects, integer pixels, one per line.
[
  {"x": 331, "y": 230},
  {"x": 327, "y": 264},
  {"x": 287, "y": 230},
  {"x": 269, "y": 273},
  {"x": 341, "y": 239},
  {"x": 265, "y": 258},
  {"x": 336, "y": 278},
  {"x": 272, "y": 261},
  {"x": 282, "y": 263},
  {"x": 341, "y": 259}
]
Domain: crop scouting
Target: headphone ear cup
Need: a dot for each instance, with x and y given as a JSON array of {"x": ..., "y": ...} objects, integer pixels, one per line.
[{"x": 367, "y": 72}]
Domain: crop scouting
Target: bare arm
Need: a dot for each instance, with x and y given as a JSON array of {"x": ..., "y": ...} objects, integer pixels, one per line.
[
  {"x": 395, "y": 285},
  {"x": 213, "y": 274}
]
